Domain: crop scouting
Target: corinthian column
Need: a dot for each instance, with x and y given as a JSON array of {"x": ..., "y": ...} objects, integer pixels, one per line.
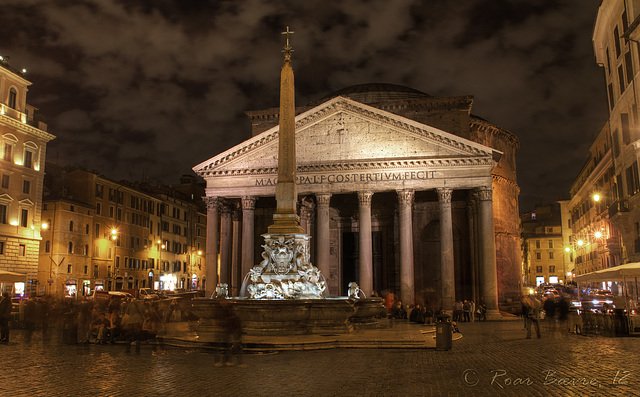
[
  {"x": 488, "y": 251},
  {"x": 248, "y": 233},
  {"x": 225, "y": 244},
  {"x": 407, "y": 281},
  {"x": 446, "y": 249},
  {"x": 365, "y": 273},
  {"x": 211, "y": 259},
  {"x": 322, "y": 241},
  {"x": 234, "y": 287}
]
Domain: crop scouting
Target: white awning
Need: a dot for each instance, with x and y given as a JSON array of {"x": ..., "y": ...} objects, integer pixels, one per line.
[
  {"x": 11, "y": 277},
  {"x": 617, "y": 273}
]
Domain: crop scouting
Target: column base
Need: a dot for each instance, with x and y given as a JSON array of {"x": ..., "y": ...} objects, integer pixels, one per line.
[{"x": 494, "y": 315}]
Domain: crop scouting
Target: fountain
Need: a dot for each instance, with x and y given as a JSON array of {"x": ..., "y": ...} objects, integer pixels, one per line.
[{"x": 285, "y": 293}]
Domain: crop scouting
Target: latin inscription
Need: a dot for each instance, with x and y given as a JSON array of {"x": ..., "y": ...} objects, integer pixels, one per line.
[{"x": 354, "y": 178}]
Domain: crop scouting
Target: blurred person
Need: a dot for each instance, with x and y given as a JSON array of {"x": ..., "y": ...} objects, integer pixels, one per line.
[
  {"x": 30, "y": 318},
  {"x": 5, "y": 315},
  {"x": 549, "y": 307},
  {"x": 466, "y": 310},
  {"x": 532, "y": 307},
  {"x": 99, "y": 328}
]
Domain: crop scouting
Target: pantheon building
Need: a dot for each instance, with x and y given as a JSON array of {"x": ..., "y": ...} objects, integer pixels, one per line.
[{"x": 400, "y": 191}]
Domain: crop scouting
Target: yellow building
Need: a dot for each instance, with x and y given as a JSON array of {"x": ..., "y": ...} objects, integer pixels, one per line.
[
  {"x": 134, "y": 236},
  {"x": 23, "y": 143}
]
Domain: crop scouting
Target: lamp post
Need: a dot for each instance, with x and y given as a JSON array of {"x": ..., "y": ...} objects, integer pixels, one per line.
[{"x": 114, "y": 239}]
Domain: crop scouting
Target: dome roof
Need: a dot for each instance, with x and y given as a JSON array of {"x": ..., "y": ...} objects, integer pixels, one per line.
[{"x": 376, "y": 92}]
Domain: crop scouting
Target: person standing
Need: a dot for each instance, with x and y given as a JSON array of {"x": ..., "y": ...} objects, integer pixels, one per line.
[
  {"x": 532, "y": 307},
  {"x": 5, "y": 314},
  {"x": 466, "y": 310}
]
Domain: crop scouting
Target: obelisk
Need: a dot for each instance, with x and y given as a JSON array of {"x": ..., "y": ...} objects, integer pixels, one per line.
[{"x": 285, "y": 219}]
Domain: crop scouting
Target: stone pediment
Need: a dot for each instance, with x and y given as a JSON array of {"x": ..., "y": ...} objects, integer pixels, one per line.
[{"x": 345, "y": 134}]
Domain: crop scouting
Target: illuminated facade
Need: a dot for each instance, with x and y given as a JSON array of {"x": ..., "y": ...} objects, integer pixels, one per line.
[
  {"x": 131, "y": 236},
  {"x": 397, "y": 189},
  {"x": 23, "y": 144},
  {"x": 615, "y": 42}
]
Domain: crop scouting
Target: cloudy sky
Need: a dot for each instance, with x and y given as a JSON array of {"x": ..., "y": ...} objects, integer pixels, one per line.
[{"x": 146, "y": 89}]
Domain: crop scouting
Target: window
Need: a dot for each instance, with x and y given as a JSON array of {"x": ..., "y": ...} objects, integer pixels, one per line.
[
  {"x": 551, "y": 244},
  {"x": 5, "y": 181},
  {"x": 97, "y": 234},
  {"x": 28, "y": 158},
  {"x": 538, "y": 269},
  {"x": 119, "y": 214},
  {"x": 86, "y": 269},
  {"x": 1, "y": 247},
  {"x": 621, "y": 79},
  {"x": 626, "y": 131},
  {"x": 22, "y": 250},
  {"x": 538, "y": 244},
  {"x": 86, "y": 229},
  {"x": 611, "y": 99},
  {"x": 24, "y": 218},
  {"x": 99, "y": 191},
  {"x": 8, "y": 152},
  {"x": 70, "y": 226},
  {"x": 538, "y": 255},
  {"x": 70, "y": 247},
  {"x": 98, "y": 209},
  {"x": 69, "y": 268},
  {"x": 86, "y": 250},
  {"x": 26, "y": 187},
  {"x": 13, "y": 94},
  {"x": 3, "y": 214},
  {"x": 629, "y": 66},
  {"x": 616, "y": 40},
  {"x": 552, "y": 269},
  {"x": 633, "y": 180},
  {"x": 47, "y": 246},
  {"x": 550, "y": 254},
  {"x": 95, "y": 271}
]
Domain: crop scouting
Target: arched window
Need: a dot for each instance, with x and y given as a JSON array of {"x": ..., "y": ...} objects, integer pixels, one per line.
[
  {"x": 86, "y": 229},
  {"x": 70, "y": 226},
  {"x": 47, "y": 246},
  {"x": 70, "y": 247},
  {"x": 13, "y": 94},
  {"x": 86, "y": 250}
]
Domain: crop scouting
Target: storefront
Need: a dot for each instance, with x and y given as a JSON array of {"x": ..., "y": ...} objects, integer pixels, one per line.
[
  {"x": 13, "y": 283},
  {"x": 70, "y": 289}
]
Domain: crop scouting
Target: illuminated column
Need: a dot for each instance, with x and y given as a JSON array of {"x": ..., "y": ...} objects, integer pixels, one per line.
[
  {"x": 365, "y": 273},
  {"x": 211, "y": 259},
  {"x": 225, "y": 244},
  {"x": 322, "y": 238},
  {"x": 407, "y": 282},
  {"x": 234, "y": 286},
  {"x": 446, "y": 249},
  {"x": 471, "y": 214},
  {"x": 248, "y": 232},
  {"x": 488, "y": 251}
]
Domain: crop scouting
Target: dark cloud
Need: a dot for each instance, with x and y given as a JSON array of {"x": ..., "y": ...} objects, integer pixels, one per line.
[{"x": 152, "y": 87}]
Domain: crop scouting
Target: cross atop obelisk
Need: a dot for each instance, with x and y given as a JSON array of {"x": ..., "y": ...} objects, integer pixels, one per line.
[{"x": 286, "y": 220}]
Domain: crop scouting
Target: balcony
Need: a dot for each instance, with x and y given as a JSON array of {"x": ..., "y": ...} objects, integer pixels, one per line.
[{"x": 618, "y": 207}]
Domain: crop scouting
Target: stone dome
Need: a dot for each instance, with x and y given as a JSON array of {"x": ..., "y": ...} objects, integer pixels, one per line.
[{"x": 376, "y": 92}]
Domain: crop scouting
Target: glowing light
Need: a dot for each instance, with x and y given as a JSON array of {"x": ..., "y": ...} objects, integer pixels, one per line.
[
  {"x": 114, "y": 231},
  {"x": 598, "y": 234},
  {"x": 162, "y": 246},
  {"x": 200, "y": 253},
  {"x": 24, "y": 70},
  {"x": 18, "y": 162},
  {"x": 159, "y": 242},
  {"x": 580, "y": 243},
  {"x": 14, "y": 223},
  {"x": 45, "y": 226},
  {"x": 596, "y": 197},
  {"x": 567, "y": 249}
]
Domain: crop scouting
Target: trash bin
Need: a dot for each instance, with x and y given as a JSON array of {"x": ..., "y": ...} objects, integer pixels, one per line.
[{"x": 443, "y": 335}]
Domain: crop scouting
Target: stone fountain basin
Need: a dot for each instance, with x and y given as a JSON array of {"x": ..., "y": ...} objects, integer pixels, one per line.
[{"x": 286, "y": 317}]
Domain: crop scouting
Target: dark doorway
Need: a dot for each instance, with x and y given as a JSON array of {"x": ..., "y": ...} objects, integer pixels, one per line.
[{"x": 350, "y": 256}]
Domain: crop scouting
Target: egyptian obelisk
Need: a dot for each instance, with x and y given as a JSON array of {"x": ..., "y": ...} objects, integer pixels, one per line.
[{"x": 285, "y": 219}]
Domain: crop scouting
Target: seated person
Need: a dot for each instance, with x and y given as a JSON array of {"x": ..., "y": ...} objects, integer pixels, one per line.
[
  {"x": 99, "y": 328},
  {"x": 115, "y": 326}
]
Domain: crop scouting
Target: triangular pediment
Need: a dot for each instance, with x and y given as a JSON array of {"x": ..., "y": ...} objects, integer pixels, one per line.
[{"x": 343, "y": 131}]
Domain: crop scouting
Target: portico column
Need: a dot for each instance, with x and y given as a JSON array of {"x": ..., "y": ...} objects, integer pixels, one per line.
[
  {"x": 471, "y": 213},
  {"x": 211, "y": 258},
  {"x": 446, "y": 249},
  {"x": 234, "y": 287},
  {"x": 365, "y": 273},
  {"x": 248, "y": 232},
  {"x": 225, "y": 244},
  {"x": 322, "y": 238},
  {"x": 488, "y": 251},
  {"x": 407, "y": 282}
]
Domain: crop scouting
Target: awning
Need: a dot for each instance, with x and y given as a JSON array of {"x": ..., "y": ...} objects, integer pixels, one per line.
[
  {"x": 11, "y": 277},
  {"x": 617, "y": 273}
]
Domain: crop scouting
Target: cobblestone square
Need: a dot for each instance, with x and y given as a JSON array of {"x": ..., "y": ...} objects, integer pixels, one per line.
[{"x": 491, "y": 358}]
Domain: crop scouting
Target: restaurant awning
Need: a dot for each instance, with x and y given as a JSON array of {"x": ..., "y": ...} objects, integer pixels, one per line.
[
  {"x": 617, "y": 273},
  {"x": 11, "y": 277}
]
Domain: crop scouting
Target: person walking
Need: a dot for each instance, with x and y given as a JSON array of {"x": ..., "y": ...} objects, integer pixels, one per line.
[
  {"x": 5, "y": 314},
  {"x": 532, "y": 306}
]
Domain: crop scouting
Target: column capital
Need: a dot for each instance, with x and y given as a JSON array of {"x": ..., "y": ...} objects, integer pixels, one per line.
[
  {"x": 211, "y": 202},
  {"x": 236, "y": 214},
  {"x": 364, "y": 198},
  {"x": 227, "y": 208},
  {"x": 485, "y": 193},
  {"x": 406, "y": 196},
  {"x": 323, "y": 199},
  {"x": 444, "y": 195},
  {"x": 248, "y": 202}
]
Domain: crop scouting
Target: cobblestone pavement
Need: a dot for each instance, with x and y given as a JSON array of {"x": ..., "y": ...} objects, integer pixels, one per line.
[{"x": 491, "y": 359}]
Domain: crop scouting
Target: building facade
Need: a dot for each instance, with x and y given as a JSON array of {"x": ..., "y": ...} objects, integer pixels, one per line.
[
  {"x": 615, "y": 41},
  {"x": 399, "y": 191},
  {"x": 109, "y": 235},
  {"x": 23, "y": 146}
]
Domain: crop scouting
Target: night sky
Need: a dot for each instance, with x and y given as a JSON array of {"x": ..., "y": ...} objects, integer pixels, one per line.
[{"x": 146, "y": 89}]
